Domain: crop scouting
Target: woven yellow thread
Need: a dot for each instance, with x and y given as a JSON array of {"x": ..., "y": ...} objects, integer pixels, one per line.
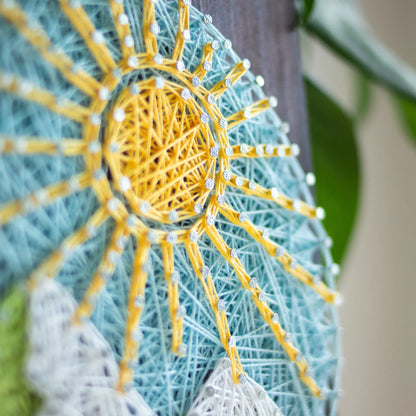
[
  {"x": 206, "y": 59},
  {"x": 149, "y": 19},
  {"x": 122, "y": 25},
  {"x": 92, "y": 37},
  {"x": 104, "y": 272},
  {"x": 164, "y": 168},
  {"x": 252, "y": 188},
  {"x": 251, "y": 111},
  {"x": 173, "y": 297},
  {"x": 183, "y": 31},
  {"x": 135, "y": 307},
  {"x": 34, "y": 145},
  {"x": 39, "y": 39},
  {"x": 161, "y": 155},
  {"x": 233, "y": 76},
  {"x": 220, "y": 316},
  {"x": 27, "y": 91}
]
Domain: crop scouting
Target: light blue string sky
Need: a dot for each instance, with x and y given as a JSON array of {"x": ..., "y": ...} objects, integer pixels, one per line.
[{"x": 168, "y": 383}]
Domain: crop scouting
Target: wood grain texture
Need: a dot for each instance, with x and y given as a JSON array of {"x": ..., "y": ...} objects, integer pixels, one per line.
[{"x": 263, "y": 31}]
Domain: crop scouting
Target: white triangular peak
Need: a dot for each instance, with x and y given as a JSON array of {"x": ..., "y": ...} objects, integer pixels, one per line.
[
  {"x": 220, "y": 396},
  {"x": 73, "y": 366}
]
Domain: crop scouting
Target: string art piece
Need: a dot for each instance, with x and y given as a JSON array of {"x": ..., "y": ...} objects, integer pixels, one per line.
[{"x": 153, "y": 205}]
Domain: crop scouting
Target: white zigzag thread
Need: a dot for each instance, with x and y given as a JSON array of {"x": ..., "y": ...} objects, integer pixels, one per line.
[
  {"x": 220, "y": 396},
  {"x": 72, "y": 366}
]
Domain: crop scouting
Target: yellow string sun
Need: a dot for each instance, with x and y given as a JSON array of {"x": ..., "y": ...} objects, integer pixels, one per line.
[{"x": 159, "y": 145}]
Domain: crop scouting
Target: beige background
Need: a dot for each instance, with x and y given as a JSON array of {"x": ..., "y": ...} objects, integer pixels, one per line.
[{"x": 379, "y": 279}]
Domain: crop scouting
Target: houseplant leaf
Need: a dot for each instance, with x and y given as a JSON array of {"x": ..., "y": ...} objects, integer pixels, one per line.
[
  {"x": 407, "y": 111},
  {"x": 341, "y": 26},
  {"x": 304, "y": 8},
  {"x": 336, "y": 165}
]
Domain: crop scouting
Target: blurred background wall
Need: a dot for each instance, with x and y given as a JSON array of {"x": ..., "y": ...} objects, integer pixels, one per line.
[{"x": 379, "y": 279}]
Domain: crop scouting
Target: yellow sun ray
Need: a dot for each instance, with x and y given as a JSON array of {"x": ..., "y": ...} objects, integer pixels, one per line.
[
  {"x": 136, "y": 303},
  {"x": 43, "y": 197},
  {"x": 26, "y": 90},
  {"x": 103, "y": 191},
  {"x": 206, "y": 59},
  {"x": 250, "y": 187},
  {"x": 32, "y": 31},
  {"x": 104, "y": 272},
  {"x": 36, "y": 145},
  {"x": 93, "y": 38},
  {"x": 150, "y": 27},
  {"x": 234, "y": 75},
  {"x": 183, "y": 30},
  {"x": 150, "y": 130},
  {"x": 122, "y": 24},
  {"x": 52, "y": 265},
  {"x": 263, "y": 151},
  {"x": 274, "y": 250},
  {"x": 248, "y": 113},
  {"x": 176, "y": 310},
  {"x": 259, "y": 300},
  {"x": 217, "y": 306}
]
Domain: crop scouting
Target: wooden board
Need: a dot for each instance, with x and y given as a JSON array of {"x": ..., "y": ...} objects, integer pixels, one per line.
[{"x": 263, "y": 31}]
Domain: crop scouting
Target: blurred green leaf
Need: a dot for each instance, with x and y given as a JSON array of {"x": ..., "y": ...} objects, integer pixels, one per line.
[
  {"x": 336, "y": 165},
  {"x": 363, "y": 96},
  {"x": 407, "y": 111},
  {"x": 340, "y": 25},
  {"x": 304, "y": 9}
]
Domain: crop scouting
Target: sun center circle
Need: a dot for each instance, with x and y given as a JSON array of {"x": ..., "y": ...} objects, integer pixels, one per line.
[{"x": 159, "y": 150}]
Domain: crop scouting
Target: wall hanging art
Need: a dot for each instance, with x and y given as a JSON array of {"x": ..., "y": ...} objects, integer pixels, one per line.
[{"x": 154, "y": 212}]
